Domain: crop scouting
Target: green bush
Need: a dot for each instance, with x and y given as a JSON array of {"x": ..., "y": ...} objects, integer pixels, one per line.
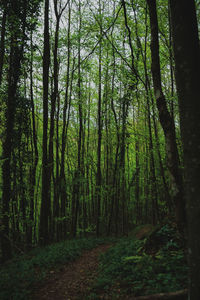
[{"x": 138, "y": 273}]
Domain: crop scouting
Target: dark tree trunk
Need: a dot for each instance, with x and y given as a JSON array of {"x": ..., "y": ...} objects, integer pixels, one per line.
[
  {"x": 88, "y": 186},
  {"x": 2, "y": 47},
  {"x": 125, "y": 107},
  {"x": 187, "y": 66},
  {"x": 99, "y": 117},
  {"x": 166, "y": 121},
  {"x": 180, "y": 295},
  {"x": 7, "y": 150},
  {"x": 56, "y": 204},
  {"x": 54, "y": 98},
  {"x": 62, "y": 183},
  {"x": 79, "y": 171},
  {"x": 137, "y": 161},
  {"x": 45, "y": 205},
  {"x": 35, "y": 155},
  {"x": 114, "y": 175},
  {"x": 16, "y": 54}
]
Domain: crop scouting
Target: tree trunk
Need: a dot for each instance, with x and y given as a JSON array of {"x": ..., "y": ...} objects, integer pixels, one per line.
[
  {"x": 98, "y": 177},
  {"x": 62, "y": 183},
  {"x": 79, "y": 172},
  {"x": 166, "y": 121},
  {"x": 35, "y": 155},
  {"x": 180, "y": 295},
  {"x": 115, "y": 167},
  {"x": 187, "y": 67},
  {"x": 45, "y": 205},
  {"x": 54, "y": 98},
  {"x": 16, "y": 54},
  {"x": 2, "y": 47}
]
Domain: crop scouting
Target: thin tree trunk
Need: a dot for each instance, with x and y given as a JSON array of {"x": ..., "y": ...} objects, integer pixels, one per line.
[
  {"x": 62, "y": 183},
  {"x": 99, "y": 116},
  {"x": 79, "y": 171},
  {"x": 56, "y": 204},
  {"x": 114, "y": 179},
  {"x": 54, "y": 98},
  {"x": 45, "y": 205},
  {"x": 35, "y": 155},
  {"x": 180, "y": 295},
  {"x": 2, "y": 47},
  {"x": 137, "y": 160}
]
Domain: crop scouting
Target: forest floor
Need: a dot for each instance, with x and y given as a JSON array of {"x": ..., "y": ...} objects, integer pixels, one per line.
[
  {"x": 148, "y": 261},
  {"x": 74, "y": 280}
]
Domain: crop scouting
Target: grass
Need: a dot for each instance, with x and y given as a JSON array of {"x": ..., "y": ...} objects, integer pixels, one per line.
[{"x": 18, "y": 276}]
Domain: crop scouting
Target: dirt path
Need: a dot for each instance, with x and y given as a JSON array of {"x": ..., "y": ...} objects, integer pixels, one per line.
[{"x": 74, "y": 281}]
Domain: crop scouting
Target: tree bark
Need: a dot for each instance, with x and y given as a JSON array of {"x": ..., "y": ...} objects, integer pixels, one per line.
[
  {"x": 166, "y": 121},
  {"x": 45, "y": 205},
  {"x": 2, "y": 47},
  {"x": 15, "y": 58},
  {"x": 66, "y": 109},
  {"x": 35, "y": 154},
  {"x": 99, "y": 117},
  {"x": 187, "y": 71},
  {"x": 79, "y": 172},
  {"x": 115, "y": 167}
]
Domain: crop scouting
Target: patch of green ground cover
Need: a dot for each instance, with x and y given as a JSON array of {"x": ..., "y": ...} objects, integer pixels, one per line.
[
  {"x": 18, "y": 276},
  {"x": 127, "y": 269}
]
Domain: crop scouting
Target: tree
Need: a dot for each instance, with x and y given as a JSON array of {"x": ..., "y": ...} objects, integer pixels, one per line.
[
  {"x": 46, "y": 202},
  {"x": 18, "y": 27},
  {"x": 14, "y": 73},
  {"x": 99, "y": 118},
  {"x": 187, "y": 64},
  {"x": 66, "y": 115},
  {"x": 166, "y": 120},
  {"x": 33, "y": 169},
  {"x": 2, "y": 47},
  {"x": 78, "y": 176}
]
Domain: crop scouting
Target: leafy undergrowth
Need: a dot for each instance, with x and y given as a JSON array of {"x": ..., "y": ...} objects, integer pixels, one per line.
[
  {"x": 140, "y": 267},
  {"x": 19, "y": 275}
]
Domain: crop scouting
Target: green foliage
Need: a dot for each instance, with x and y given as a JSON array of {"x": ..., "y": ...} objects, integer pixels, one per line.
[
  {"x": 126, "y": 164},
  {"x": 125, "y": 269},
  {"x": 18, "y": 276}
]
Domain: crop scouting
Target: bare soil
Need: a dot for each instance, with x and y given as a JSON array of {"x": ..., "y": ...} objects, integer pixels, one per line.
[
  {"x": 144, "y": 231},
  {"x": 73, "y": 282}
]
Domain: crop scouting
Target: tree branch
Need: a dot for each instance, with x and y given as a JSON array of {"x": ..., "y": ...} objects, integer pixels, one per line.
[{"x": 179, "y": 295}]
